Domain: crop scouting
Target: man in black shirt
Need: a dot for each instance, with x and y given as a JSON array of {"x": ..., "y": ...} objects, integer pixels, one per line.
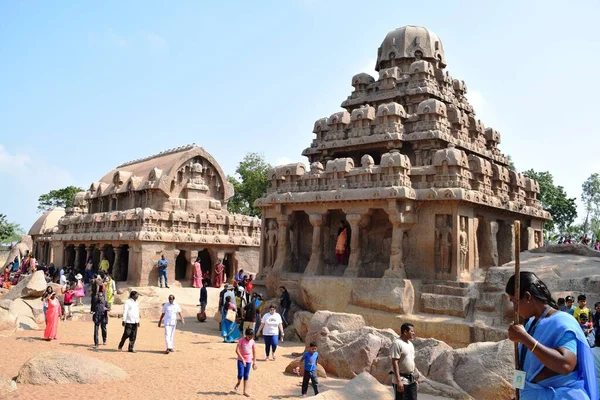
[{"x": 100, "y": 317}]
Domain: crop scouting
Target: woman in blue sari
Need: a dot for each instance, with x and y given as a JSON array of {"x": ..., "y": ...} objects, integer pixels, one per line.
[
  {"x": 553, "y": 351},
  {"x": 229, "y": 330}
]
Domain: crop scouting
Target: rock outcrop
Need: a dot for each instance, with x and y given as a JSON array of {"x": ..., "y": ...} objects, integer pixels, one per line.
[
  {"x": 64, "y": 367},
  {"x": 364, "y": 386},
  {"x": 332, "y": 321},
  {"x": 8, "y": 322},
  {"x": 20, "y": 249},
  {"x": 30, "y": 285},
  {"x": 301, "y": 322},
  {"x": 297, "y": 363}
]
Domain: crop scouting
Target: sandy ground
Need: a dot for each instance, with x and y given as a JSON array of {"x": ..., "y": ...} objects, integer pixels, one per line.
[{"x": 202, "y": 366}]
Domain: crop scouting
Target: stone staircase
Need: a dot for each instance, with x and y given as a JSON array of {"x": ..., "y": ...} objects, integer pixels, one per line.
[{"x": 447, "y": 298}]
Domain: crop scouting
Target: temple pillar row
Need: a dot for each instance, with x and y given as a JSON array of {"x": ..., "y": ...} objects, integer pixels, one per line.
[{"x": 315, "y": 264}]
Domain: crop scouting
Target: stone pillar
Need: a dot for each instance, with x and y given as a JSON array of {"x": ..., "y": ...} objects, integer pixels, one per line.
[
  {"x": 77, "y": 254},
  {"x": 102, "y": 250},
  {"x": 354, "y": 260},
  {"x": 51, "y": 253},
  {"x": 263, "y": 252},
  {"x": 396, "y": 269},
  {"x": 506, "y": 242},
  {"x": 89, "y": 253},
  {"x": 283, "y": 256},
  {"x": 315, "y": 264},
  {"x": 116, "y": 269},
  {"x": 171, "y": 266}
]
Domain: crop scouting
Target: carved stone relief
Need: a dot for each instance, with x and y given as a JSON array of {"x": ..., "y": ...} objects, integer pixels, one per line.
[
  {"x": 443, "y": 243},
  {"x": 271, "y": 237},
  {"x": 463, "y": 244}
]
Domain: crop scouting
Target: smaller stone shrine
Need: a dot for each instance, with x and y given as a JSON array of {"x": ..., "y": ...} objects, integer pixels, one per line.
[
  {"x": 413, "y": 182},
  {"x": 173, "y": 203}
]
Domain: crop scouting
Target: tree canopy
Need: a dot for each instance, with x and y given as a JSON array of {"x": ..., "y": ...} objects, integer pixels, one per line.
[
  {"x": 251, "y": 185},
  {"x": 9, "y": 231},
  {"x": 554, "y": 199},
  {"x": 58, "y": 198},
  {"x": 590, "y": 196}
]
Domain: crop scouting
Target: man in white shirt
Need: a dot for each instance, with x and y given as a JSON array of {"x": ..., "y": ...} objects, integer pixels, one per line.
[
  {"x": 404, "y": 374},
  {"x": 131, "y": 321},
  {"x": 169, "y": 314}
]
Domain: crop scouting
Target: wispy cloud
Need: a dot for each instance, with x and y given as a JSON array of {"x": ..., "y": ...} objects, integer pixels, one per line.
[
  {"x": 27, "y": 177},
  {"x": 155, "y": 41}
]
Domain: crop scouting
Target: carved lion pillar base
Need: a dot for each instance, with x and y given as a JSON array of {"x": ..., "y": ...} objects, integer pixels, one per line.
[
  {"x": 316, "y": 264},
  {"x": 353, "y": 267},
  {"x": 396, "y": 269}
]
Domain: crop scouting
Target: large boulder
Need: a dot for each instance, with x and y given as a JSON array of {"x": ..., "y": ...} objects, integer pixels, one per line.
[
  {"x": 392, "y": 295},
  {"x": 364, "y": 386},
  {"x": 492, "y": 363},
  {"x": 31, "y": 285},
  {"x": 301, "y": 322},
  {"x": 37, "y": 309},
  {"x": 299, "y": 364},
  {"x": 291, "y": 335},
  {"x": 8, "y": 323},
  {"x": 66, "y": 367},
  {"x": 349, "y": 353},
  {"x": 8, "y": 387},
  {"x": 24, "y": 245},
  {"x": 333, "y": 322}
]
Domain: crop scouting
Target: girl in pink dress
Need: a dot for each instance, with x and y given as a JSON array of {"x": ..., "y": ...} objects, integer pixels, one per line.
[
  {"x": 197, "y": 274},
  {"x": 79, "y": 291},
  {"x": 52, "y": 315}
]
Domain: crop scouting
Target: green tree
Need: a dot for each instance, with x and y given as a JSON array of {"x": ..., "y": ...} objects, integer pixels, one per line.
[
  {"x": 554, "y": 199},
  {"x": 251, "y": 185},
  {"x": 58, "y": 198},
  {"x": 590, "y": 196},
  {"x": 511, "y": 163},
  {"x": 9, "y": 231}
]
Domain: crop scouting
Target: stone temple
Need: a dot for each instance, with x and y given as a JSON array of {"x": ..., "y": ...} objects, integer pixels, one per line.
[
  {"x": 173, "y": 203},
  {"x": 427, "y": 198}
]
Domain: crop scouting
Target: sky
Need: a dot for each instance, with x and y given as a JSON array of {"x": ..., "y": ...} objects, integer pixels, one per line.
[{"x": 86, "y": 86}]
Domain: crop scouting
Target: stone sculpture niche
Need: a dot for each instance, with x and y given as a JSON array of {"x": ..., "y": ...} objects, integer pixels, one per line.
[
  {"x": 463, "y": 244},
  {"x": 271, "y": 237},
  {"x": 443, "y": 243}
]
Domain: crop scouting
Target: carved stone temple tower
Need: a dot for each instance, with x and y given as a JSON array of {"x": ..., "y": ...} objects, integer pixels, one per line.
[{"x": 419, "y": 181}]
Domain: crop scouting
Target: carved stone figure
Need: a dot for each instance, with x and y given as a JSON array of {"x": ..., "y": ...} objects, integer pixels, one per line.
[
  {"x": 271, "y": 235},
  {"x": 443, "y": 234},
  {"x": 494, "y": 233},
  {"x": 463, "y": 244}
]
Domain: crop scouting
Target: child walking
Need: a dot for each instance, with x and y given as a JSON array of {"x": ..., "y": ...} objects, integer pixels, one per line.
[
  {"x": 310, "y": 358},
  {"x": 68, "y": 300},
  {"x": 246, "y": 359}
]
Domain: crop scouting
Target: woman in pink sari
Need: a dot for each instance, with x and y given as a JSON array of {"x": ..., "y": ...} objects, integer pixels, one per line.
[
  {"x": 219, "y": 275},
  {"x": 197, "y": 274},
  {"x": 341, "y": 243},
  {"x": 52, "y": 315}
]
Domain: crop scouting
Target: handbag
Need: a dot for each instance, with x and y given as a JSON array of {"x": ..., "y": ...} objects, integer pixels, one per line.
[{"x": 230, "y": 316}]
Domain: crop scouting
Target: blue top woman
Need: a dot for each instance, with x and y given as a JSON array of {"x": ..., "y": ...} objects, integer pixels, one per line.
[{"x": 553, "y": 351}]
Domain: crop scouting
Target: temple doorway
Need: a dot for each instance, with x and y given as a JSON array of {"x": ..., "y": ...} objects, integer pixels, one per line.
[
  {"x": 180, "y": 266},
  {"x": 205, "y": 261},
  {"x": 300, "y": 245},
  {"x": 376, "y": 245},
  {"x": 228, "y": 262},
  {"x": 330, "y": 238},
  {"x": 124, "y": 261}
]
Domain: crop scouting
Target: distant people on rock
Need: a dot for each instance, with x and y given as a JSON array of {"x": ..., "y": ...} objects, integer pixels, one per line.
[
  {"x": 131, "y": 321},
  {"x": 219, "y": 275},
  {"x": 285, "y": 303},
  {"x": 229, "y": 328},
  {"x": 246, "y": 359},
  {"x": 569, "y": 304},
  {"x": 597, "y": 245},
  {"x": 582, "y": 308},
  {"x": 341, "y": 243},
  {"x": 100, "y": 318},
  {"x": 553, "y": 351},
  {"x": 197, "y": 280},
  {"x": 561, "y": 304},
  {"x": 53, "y": 314},
  {"x": 169, "y": 314},
  {"x": 162, "y": 271},
  {"x": 271, "y": 328},
  {"x": 310, "y": 358},
  {"x": 404, "y": 373}
]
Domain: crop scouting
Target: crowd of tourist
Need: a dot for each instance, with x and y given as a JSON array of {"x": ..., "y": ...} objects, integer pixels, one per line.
[{"x": 584, "y": 240}]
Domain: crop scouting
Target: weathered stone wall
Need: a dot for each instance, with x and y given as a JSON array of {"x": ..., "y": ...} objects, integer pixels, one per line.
[{"x": 248, "y": 260}]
